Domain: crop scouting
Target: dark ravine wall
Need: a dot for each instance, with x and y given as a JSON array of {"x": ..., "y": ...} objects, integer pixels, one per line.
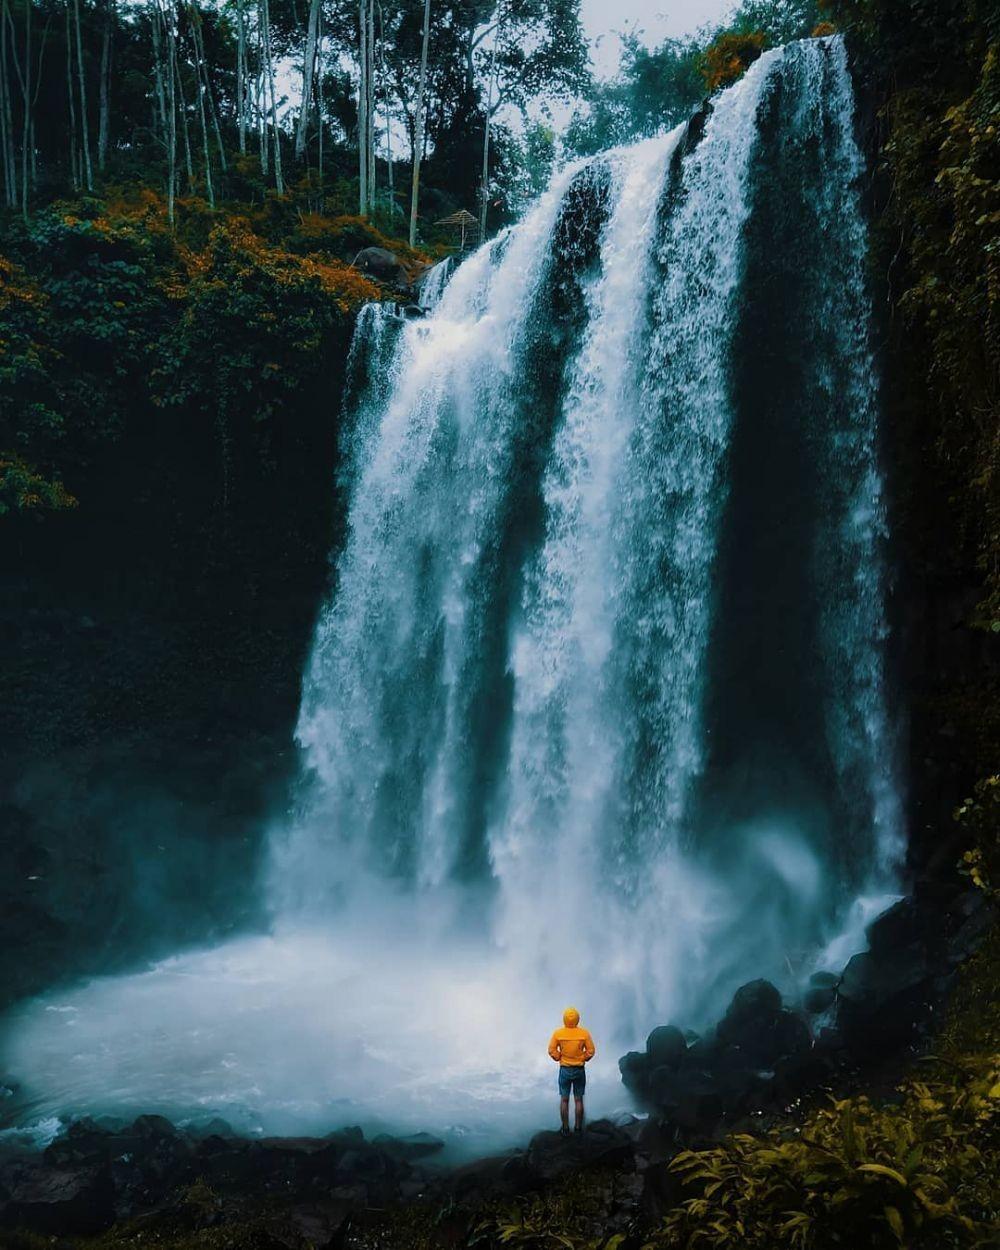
[
  {"x": 153, "y": 643},
  {"x": 928, "y": 82}
]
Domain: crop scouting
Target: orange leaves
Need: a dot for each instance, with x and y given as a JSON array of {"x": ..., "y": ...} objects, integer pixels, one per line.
[
  {"x": 235, "y": 245},
  {"x": 729, "y": 56},
  {"x": 16, "y": 288}
]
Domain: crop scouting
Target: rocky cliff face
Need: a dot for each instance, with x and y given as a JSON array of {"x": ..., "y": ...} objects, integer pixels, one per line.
[{"x": 153, "y": 644}]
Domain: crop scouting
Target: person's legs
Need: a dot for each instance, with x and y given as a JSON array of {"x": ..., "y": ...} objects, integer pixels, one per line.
[
  {"x": 579, "y": 1113},
  {"x": 564, "y": 1113}
]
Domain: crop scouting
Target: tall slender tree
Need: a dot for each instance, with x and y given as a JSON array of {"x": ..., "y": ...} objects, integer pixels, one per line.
[
  {"x": 241, "y": 75},
  {"x": 308, "y": 70},
  {"x": 363, "y": 107},
  {"x": 88, "y": 169},
  {"x": 265, "y": 17},
  {"x": 484, "y": 186},
  {"x": 26, "y": 111},
  {"x": 202, "y": 107},
  {"x": 6, "y": 116},
  {"x": 104, "y": 100},
  {"x": 418, "y": 129},
  {"x": 388, "y": 115}
]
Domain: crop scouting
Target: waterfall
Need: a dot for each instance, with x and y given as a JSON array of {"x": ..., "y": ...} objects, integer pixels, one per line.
[
  {"x": 599, "y": 708},
  {"x": 515, "y": 683}
]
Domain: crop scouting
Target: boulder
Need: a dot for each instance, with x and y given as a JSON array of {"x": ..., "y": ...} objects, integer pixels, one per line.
[
  {"x": 664, "y": 1087},
  {"x": 382, "y": 265},
  {"x": 822, "y": 992},
  {"x": 819, "y": 998},
  {"x": 59, "y": 1200},
  {"x": 416, "y": 1146},
  {"x": 757, "y": 1000},
  {"x": 634, "y": 1068},
  {"x": 319, "y": 1225},
  {"x": 665, "y": 1047},
  {"x": 602, "y": 1144},
  {"x": 214, "y": 1127},
  {"x": 882, "y": 1001},
  {"x": 900, "y": 925}
]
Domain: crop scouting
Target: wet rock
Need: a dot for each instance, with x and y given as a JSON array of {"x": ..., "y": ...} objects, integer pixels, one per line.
[
  {"x": 701, "y": 1055},
  {"x": 634, "y": 1068},
  {"x": 312, "y": 1226},
  {"x": 551, "y": 1155},
  {"x": 902, "y": 924},
  {"x": 819, "y": 998},
  {"x": 382, "y": 265},
  {"x": 494, "y": 1174},
  {"x": 870, "y": 982},
  {"x": 664, "y": 1087},
  {"x": 56, "y": 1199},
  {"x": 822, "y": 992},
  {"x": 416, "y": 1146},
  {"x": 215, "y": 1127},
  {"x": 665, "y": 1047},
  {"x": 756, "y": 1002}
]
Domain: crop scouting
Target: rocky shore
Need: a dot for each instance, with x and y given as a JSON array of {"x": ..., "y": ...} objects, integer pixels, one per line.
[{"x": 758, "y": 1067}]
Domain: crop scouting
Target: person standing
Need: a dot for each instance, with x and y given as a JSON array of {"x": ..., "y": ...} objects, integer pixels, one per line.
[{"x": 572, "y": 1048}]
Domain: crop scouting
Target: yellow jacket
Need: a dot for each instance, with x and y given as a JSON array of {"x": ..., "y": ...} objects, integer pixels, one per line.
[{"x": 571, "y": 1046}]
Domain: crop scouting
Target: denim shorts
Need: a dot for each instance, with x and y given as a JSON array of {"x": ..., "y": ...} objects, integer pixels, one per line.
[{"x": 574, "y": 1079}]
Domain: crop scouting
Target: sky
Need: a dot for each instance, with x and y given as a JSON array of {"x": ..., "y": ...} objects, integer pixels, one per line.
[{"x": 658, "y": 19}]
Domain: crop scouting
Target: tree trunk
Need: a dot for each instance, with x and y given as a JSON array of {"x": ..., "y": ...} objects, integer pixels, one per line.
[
  {"x": 3, "y": 114},
  {"x": 319, "y": 102},
  {"x": 171, "y": 130},
  {"x": 26, "y": 110},
  {"x": 269, "y": 70},
  {"x": 484, "y": 189},
  {"x": 308, "y": 69},
  {"x": 372, "y": 203},
  {"x": 202, "y": 118},
  {"x": 241, "y": 75},
  {"x": 178, "y": 82},
  {"x": 103, "y": 122},
  {"x": 7, "y": 112},
  {"x": 160, "y": 111},
  {"x": 363, "y": 109},
  {"x": 388, "y": 119},
  {"x": 418, "y": 140},
  {"x": 74, "y": 156},
  {"x": 33, "y": 143},
  {"x": 261, "y": 95},
  {"x": 88, "y": 168},
  {"x": 202, "y": 62}
]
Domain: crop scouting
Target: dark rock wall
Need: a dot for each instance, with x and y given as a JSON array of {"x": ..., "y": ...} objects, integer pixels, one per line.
[{"x": 153, "y": 640}]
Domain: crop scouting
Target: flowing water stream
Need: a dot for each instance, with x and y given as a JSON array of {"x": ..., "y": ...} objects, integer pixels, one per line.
[{"x": 599, "y": 707}]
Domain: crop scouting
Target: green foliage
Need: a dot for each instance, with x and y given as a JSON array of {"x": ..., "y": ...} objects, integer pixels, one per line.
[
  {"x": 980, "y": 817},
  {"x": 915, "y": 1173},
  {"x": 660, "y": 87},
  {"x": 23, "y": 489},
  {"x": 576, "y": 1213},
  {"x": 107, "y": 317},
  {"x": 937, "y": 67}
]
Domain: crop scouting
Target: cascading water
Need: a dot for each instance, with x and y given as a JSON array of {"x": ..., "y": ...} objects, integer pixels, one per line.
[{"x": 598, "y": 707}]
